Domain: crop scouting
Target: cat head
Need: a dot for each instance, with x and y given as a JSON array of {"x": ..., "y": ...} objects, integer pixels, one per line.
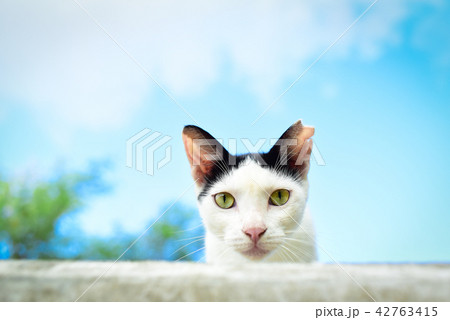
[{"x": 250, "y": 203}]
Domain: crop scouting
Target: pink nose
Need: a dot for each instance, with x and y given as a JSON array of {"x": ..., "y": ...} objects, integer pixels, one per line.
[{"x": 255, "y": 233}]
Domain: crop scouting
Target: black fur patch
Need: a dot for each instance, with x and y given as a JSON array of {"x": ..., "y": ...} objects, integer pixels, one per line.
[{"x": 230, "y": 162}]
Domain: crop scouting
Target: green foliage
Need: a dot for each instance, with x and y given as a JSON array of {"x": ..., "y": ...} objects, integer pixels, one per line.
[
  {"x": 31, "y": 213},
  {"x": 29, "y": 210}
]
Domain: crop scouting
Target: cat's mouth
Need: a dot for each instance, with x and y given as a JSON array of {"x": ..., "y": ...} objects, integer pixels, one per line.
[{"x": 255, "y": 252}]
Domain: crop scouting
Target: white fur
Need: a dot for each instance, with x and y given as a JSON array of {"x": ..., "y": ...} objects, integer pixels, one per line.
[{"x": 289, "y": 236}]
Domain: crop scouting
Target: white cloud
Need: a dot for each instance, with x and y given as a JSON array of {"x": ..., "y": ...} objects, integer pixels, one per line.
[{"x": 56, "y": 61}]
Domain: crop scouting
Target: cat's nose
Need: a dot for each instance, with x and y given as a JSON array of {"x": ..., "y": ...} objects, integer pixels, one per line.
[{"x": 255, "y": 233}]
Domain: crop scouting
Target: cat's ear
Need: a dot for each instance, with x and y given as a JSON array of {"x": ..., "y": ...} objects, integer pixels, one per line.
[
  {"x": 294, "y": 148},
  {"x": 204, "y": 152}
]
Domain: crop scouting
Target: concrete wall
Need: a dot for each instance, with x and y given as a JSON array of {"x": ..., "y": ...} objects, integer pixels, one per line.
[{"x": 163, "y": 281}]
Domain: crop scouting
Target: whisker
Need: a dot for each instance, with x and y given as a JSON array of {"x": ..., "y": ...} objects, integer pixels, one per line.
[
  {"x": 295, "y": 255},
  {"x": 202, "y": 258},
  {"x": 190, "y": 229},
  {"x": 187, "y": 255},
  {"x": 284, "y": 247},
  {"x": 186, "y": 245},
  {"x": 222, "y": 254},
  {"x": 303, "y": 253},
  {"x": 288, "y": 257},
  {"x": 297, "y": 240},
  {"x": 186, "y": 239},
  {"x": 283, "y": 255}
]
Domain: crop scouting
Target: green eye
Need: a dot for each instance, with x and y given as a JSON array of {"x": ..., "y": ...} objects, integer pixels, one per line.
[
  {"x": 224, "y": 200},
  {"x": 279, "y": 197}
]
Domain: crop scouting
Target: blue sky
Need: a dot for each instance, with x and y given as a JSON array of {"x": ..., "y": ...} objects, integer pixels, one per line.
[{"x": 379, "y": 99}]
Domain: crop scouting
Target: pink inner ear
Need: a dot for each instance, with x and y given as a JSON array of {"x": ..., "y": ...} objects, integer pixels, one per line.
[
  {"x": 188, "y": 148},
  {"x": 199, "y": 165},
  {"x": 303, "y": 150},
  {"x": 198, "y": 175},
  {"x": 306, "y": 133}
]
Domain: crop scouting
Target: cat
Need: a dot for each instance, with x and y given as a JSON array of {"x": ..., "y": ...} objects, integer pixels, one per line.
[{"x": 253, "y": 206}]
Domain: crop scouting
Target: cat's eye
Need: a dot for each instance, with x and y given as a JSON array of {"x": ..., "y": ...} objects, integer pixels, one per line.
[
  {"x": 279, "y": 197},
  {"x": 224, "y": 200}
]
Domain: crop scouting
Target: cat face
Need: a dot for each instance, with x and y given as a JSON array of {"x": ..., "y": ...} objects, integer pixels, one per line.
[
  {"x": 250, "y": 203},
  {"x": 254, "y": 225}
]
